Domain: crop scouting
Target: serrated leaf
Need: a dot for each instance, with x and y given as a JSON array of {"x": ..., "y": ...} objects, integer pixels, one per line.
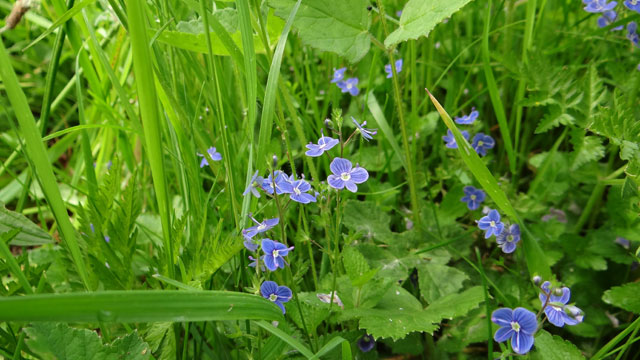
[
  {"x": 554, "y": 118},
  {"x": 30, "y": 234},
  {"x": 354, "y": 263},
  {"x": 419, "y": 17},
  {"x": 454, "y": 305},
  {"x": 625, "y": 297},
  {"x": 338, "y": 26},
  {"x": 366, "y": 217},
  {"x": 548, "y": 347},
  {"x": 585, "y": 148},
  {"x": 437, "y": 280}
]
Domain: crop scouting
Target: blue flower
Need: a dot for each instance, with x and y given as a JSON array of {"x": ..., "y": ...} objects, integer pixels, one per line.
[
  {"x": 519, "y": 325},
  {"x": 260, "y": 227},
  {"x": 274, "y": 293},
  {"x": 451, "y": 141},
  {"x": 350, "y": 86},
  {"x": 280, "y": 184},
  {"x": 389, "y": 71},
  {"x": 473, "y": 197},
  {"x": 632, "y": 5},
  {"x": 508, "y": 239},
  {"x": 213, "y": 154},
  {"x": 599, "y": 6},
  {"x": 249, "y": 243},
  {"x": 609, "y": 17},
  {"x": 468, "y": 119},
  {"x": 254, "y": 262},
  {"x": 366, "y": 133},
  {"x": 338, "y": 75},
  {"x": 255, "y": 183},
  {"x": 298, "y": 190},
  {"x": 554, "y": 306},
  {"x": 366, "y": 343},
  {"x": 107, "y": 238},
  {"x": 632, "y": 34},
  {"x": 481, "y": 143},
  {"x": 345, "y": 175},
  {"x": 274, "y": 253},
  {"x": 491, "y": 224},
  {"x": 325, "y": 143}
]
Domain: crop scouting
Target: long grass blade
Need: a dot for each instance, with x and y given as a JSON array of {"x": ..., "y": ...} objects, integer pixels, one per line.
[
  {"x": 11, "y": 261},
  {"x": 286, "y": 337}
]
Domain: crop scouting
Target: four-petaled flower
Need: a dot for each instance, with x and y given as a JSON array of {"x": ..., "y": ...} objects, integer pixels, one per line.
[
  {"x": 633, "y": 5},
  {"x": 555, "y": 306},
  {"x": 508, "y": 239},
  {"x": 366, "y": 133},
  {"x": 519, "y": 325},
  {"x": 632, "y": 33},
  {"x": 345, "y": 175},
  {"x": 389, "y": 71},
  {"x": 280, "y": 183},
  {"x": 491, "y": 224},
  {"x": 609, "y": 17},
  {"x": 473, "y": 197},
  {"x": 350, "y": 85},
  {"x": 451, "y": 141},
  {"x": 273, "y": 254},
  {"x": 481, "y": 143},
  {"x": 260, "y": 227},
  {"x": 598, "y": 6},
  {"x": 276, "y": 294},
  {"x": 255, "y": 183},
  {"x": 338, "y": 74},
  {"x": 213, "y": 154},
  {"x": 325, "y": 143},
  {"x": 468, "y": 119},
  {"x": 298, "y": 191}
]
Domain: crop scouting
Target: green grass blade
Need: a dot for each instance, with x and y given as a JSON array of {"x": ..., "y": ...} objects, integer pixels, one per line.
[
  {"x": 61, "y": 20},
  {"x": 37, "y": 153},
  {"x": 536, "y": 261},
  {"x": 383, "y": 125},
  {"x": 138, "y": 306},
  {"x": 11, "y": 261},
  {"x": 329, "y": 346},
  {"x": 286, "y": 337}
]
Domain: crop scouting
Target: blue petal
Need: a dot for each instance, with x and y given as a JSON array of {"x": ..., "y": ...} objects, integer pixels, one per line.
[
  {"x": 522, "y": 342},
  {"x": 502, "y": 317},
  {"x": 503, "y": 334},
  {"x": 269, "y": 261},
  {"x": 267, "y": 288},
  {"x": 526, "y": 319}
]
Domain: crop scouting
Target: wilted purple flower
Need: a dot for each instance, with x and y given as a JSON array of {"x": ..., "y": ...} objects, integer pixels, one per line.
[
  {"x": 481, "y": 143},
  {"x": 338, "y": 74},
  {"x": 555, "y": 306},
  {"x": 609, "y": 17},
  {"x": 632, "y": 33},
  {"x": 389, "y": 71},
  {"x": 326, "y": 298},
  {"x": 350, "y": 86},
  {"x": 249, "y": 243},
  {"x": 598, "y": 6},
  {"x": 623, "y": 242},
  {"x": 260, "y": 227},
  {"x": 273, "y": 254},
  {"x": 325, "y": 143},
  {"x": 274, "y": 293},
  {"x": 632, "y": 5},
  {"x": 109, "y": 164},
  {"x": 366, "y": 133},
  {"x": 213, "y": 154},
  {"x": 366, "y": 343},
  {"x": 254, "y": 262},
  {"x": 451, "y": 140},
  {"x": 93, "y": 230},
  {"x": 299, "y": 191},
  {"x": 519, "y": 325},
  {"x": 508, "y": 239},
  {"x": 107, "y": 239},
  {"x": 557, "y": 214},
  {"x": 281, "y": 179},
  {"x": 491, "y": 224},
  {"x": 468, "y": 119},
  {"x": 254, "y": 184},
  {"x": 473, "y": 197},
  {"x": 345, "y": 175}
]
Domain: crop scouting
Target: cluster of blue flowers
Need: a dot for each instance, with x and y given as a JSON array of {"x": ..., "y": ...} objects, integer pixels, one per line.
[
  {"x": 213, "y": 155},
  {"x": 281, "y": 183},
  {"x": 520, "y": 325},
  {"x": 350, "y": 85},
  {"x": 481, "y": 142},
  {"x": 506, "y": 237}
]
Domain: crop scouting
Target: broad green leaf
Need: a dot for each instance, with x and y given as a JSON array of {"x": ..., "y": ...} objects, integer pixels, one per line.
[
  {"x": 585, "y": 148},
  {"x": 454, "y": 305},
  {"x": 437, "y": 280},
  {"x": 625, "y": 297},
  {"x": 30, "y": 234},
  {"x": 548, "y": 347},
  {"x": 138, "y": 306},
  {"x": 367, "y": 218},
  {"x": 451, "y": 207},
  {"x": 354, "y": 263},
  {"x": 337, "y": 26},
  {"x": 419, "y": 17}
]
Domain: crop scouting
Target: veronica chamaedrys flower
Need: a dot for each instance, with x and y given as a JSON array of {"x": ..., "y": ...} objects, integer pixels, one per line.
[
  {"x": 519, "y": 325},
  {"x": 350, "y": 85},
  {"x": 249, "y": 244},
  {"x": 345, "y": 175},
  {"x": 508, "y": 239},
  {"x": 632, "y": 33},
  {"x": 274, "y": 253},
  {"x": 213, "y": 154},
  {"x": 473, "y": 197},
  {"x": 338, "y": 74},
  {"x": 481, "y": 143},
  {"x": 468, "y": 119},
  {"x": 276, "y": 294},
  {"x": 554, "y": 306},
  {"x": 598, "y": 6},
  {"x": 389, "y": 71},
  {"x": 366, "y": 133},
  {"x": 451, "y": 141},
  {"x": 260, "y": 227},
  {"x": 632, "y": 5},
  {"x": 281, "y": 179},
  {"x": 254, "y": 184},
  {"x": 491, "y": 224},
  {"x": 366, "y": 343},
  {"x": 298, "y": 191},
  {"x": 609, "y": 17},
  {"x": 254, "y": 262},
  {"x": 325, "y": 143}
]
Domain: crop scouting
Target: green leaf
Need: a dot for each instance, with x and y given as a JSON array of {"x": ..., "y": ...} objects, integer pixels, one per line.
[
  {"x": 554, "y": 118},
  {"x": 138, "y": 306},
  {"x": 625, "y": 297},
  {"x": 454, "y": 305},
  {"x": 366, "y": 217},
  {"x": 354, "y": 262},
  {"x": 294, "y": 343},
  {"x": 548, "y": 347},
  {"x": 383, "y": 125},
  {"x": 30, "y": 234},
  {"x": 585, "y": 148},
  {"x": 419, "y": 17},
  {"x": 437, "y": 280},
  {"x": 341, "y": 27}
]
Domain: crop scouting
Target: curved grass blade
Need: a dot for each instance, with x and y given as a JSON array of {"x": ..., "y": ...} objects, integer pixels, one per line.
[
  {"x": 61, "y": 20},
  {"x": 329, "y": 346},
  {"x": 286, "y": 337},
  {"x": 378, "y": 115},
  {"x": 11, "y": 261},
  {"x": 138, "y": 306}
]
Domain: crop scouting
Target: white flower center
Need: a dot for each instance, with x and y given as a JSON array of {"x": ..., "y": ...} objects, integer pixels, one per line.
[
  {"x": 345, "y": 176},
  {"x": 510, "y": 238},
  {"x": 480, "y": 143},
  {"x": 273, "y": 297},
  {"x": 515, "y": 326},
  {"x": 275, "y": 253},
  {"x": 349, "y": 86},
  {"x": 297, "y": 191},
  {"x": 492, "y": 223},
  {"x": 473, "y": 197},
  {"x": 262, "y": 227}
]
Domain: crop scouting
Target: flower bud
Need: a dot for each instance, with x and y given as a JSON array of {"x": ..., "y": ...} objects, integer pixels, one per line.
[
  {"x": 537, "y": 280},
  {"x": 575, "y": 312},
  {"x": 275, "y": 161}
]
